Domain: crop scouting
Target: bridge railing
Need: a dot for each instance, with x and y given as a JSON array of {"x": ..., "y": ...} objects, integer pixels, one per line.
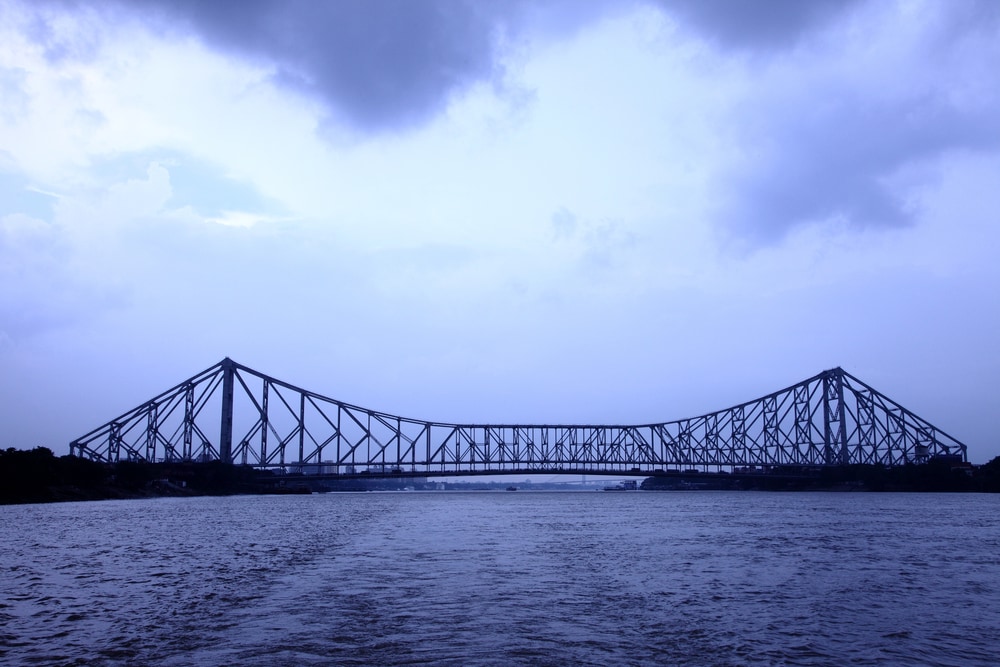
[{"x": 233, "y": 413}]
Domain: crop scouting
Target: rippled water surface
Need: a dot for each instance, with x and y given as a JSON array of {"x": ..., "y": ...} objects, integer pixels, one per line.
[{"x": 497, "y": 578}]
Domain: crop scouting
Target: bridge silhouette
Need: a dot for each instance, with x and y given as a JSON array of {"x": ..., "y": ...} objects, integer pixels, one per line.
[{"x": 234, "y": 414}]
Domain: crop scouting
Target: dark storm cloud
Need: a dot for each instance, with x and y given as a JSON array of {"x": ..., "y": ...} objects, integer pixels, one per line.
[
  {"x": 821, "y": 148},
  {"x": 378, "y": 64},
  {"x": 836, "y": 160},
  {"x": 766, "y": 24},
  {"x": 375, "y": 64}
]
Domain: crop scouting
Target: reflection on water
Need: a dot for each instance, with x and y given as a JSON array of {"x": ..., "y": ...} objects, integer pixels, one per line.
[{"x": 503, "y": 578}]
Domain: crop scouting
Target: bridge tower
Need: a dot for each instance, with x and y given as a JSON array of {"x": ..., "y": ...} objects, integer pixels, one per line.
[
  {"x": 226, "y": 430},
  {"x": 834, "y": 418}
]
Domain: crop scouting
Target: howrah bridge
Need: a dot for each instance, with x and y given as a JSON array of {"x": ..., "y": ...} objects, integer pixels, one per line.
[{"x": 234, "y": 414}]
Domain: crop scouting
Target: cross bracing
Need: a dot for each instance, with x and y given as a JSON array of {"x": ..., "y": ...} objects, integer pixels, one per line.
[{"x": 232, "y": 413}]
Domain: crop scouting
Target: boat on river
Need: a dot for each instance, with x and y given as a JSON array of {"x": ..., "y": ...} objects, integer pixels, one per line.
[{"x": 627, "y": 485}]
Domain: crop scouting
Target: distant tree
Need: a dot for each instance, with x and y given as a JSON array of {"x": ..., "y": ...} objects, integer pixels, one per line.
[
  {"x": 38, "y": 476},
  {"x": 988, "y": 476},
  {"x": 25, "y": 474}
]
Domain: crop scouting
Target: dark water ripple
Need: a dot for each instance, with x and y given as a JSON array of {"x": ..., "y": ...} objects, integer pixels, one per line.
[{"x": 504, "y": 578}]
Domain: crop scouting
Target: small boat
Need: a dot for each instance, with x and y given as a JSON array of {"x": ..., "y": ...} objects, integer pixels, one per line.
[
  {"x": 627, "y": 485},
  {"x": 512, "y": 488}
]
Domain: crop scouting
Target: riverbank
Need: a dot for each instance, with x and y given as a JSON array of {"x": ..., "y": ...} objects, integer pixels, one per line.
[
  {"x": 941, "y": 475},
  {"x": 38, "y": 476}
]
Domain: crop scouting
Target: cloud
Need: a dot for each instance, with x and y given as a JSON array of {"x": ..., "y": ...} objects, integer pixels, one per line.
[
  {"x": 20, "y": 196},
  {"x": 595, "y": 246},
  {"x": 207, "y": 189},
  {"x": 563, "y": 223},
  {"x": 13, "y": 100},
  {"x": 378, "y": 65},
  {"x": 840, "y": 160},
  {"x": 72, "y": 267},
  {"x": 826, "y": 135},
  {"x": 42, "y": 290},
  {"x": 756, "y": 25}
]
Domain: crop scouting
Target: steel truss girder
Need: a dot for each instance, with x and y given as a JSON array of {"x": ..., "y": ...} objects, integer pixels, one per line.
[{"x": 829, "y": 419}]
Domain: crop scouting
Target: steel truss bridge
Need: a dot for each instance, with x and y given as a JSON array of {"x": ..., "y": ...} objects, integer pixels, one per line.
[{"x": 234, "y": 414}]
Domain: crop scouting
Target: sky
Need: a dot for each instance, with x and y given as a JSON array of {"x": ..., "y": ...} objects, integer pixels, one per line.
[{"x": 506, "y": 212}]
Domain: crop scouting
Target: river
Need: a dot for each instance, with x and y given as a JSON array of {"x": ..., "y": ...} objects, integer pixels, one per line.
[{"x": 504, "y": 578}]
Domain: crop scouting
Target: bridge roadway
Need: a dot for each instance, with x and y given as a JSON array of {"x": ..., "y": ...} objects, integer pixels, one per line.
[
  {"x": 783, "y": 472},
  {"x": 830, "y": 419}
]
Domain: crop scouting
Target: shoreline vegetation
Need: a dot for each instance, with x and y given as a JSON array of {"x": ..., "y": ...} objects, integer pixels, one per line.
[{"x": 38, "y": 476}]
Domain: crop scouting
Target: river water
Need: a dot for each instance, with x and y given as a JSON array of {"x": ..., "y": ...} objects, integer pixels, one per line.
[{"x": 505, "y": 578}]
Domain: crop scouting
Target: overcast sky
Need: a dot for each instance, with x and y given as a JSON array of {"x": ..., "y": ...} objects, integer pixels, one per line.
[{"x": 575, "y": 212}]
